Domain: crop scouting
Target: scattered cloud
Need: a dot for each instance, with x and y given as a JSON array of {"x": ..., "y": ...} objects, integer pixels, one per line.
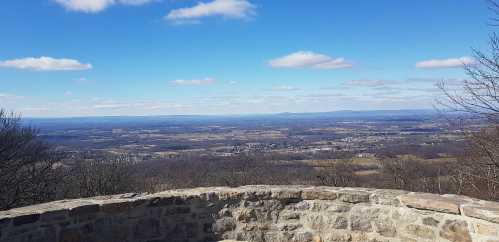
[
  {"x": 140, "y": 106},
  {"x": 9, "y": 96},
  {"x": 232, "y": 82},
  {"x": 446, "y": 63},
  {"x": 284, "y": 88},
  {"x": 238, "y": 9},
  {"x": 309, "y": 59},
  {"x": 45, "y": 64},
  {"x": 365, "y": 83},
  {"x": 94, "y": 6},
  {"x": 435, "y": 80},
  {"x": 135, "y": 2},
  {"x": 237, "y": 103},
  {"x": 68, "y": 93},
  {"x": 194, "y": 82}
]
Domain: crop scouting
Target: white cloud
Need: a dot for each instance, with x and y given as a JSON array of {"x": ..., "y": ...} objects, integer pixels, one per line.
[
  {"x": 45, "y": 64},
  {"x": 134, "y": 2},
  {"x": 309, "y": 59},
  {"x": 446, "y": 63},
  {"x": 284, "y": 88},
  {"x": 194, "y": 82},
  {"x": 94, "y": 6},
  {"x": 68, "y": 93},
  {"x": 365, "y": 83},
  {"x": 9, "y": 96},
  {"x": 240, "y": 9}
]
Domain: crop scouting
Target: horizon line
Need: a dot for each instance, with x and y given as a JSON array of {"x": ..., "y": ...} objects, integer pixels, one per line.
[{"x": 229, "y": 115}]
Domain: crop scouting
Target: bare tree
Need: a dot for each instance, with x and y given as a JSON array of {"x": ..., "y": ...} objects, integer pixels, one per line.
[
  {"x": 27, "y": 165},
  {"x": 478, "y": 99},
  {"x": 338, "y": 174},
  {"x": 105, "y": 176},
  {"x": 479, "y": 95},
  {"x": 401, "y": 171}
]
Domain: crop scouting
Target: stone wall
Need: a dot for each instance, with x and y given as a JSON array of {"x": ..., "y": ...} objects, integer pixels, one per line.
[{"x": 257, "y": 213}]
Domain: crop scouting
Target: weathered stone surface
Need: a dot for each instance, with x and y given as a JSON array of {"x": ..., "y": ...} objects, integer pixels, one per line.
[
  {"x": 489, "y": 213},
  {"x": 406, "y": 239},
  {"x": 420, "y": 231},
  {"x": 340, "y": 223},
  {"x": 339, "y": 208},
  {"x": 352, "y": 196},
  {"x": 362, "y": 218},
  {"x": 386, "y": 197},
  {"x": 253, "y": 195},
  {"x": 432, "y": 202},
  {"x": 165, "y": 201},
  {"x": 430, "y": 221},
  {"x": 455, "y": 231},
  {"x": 290, "y": 216},
  {"x": 223, "y": 225},
  {"x": 318, "y": 194},
  {"x": 487, "y": 229},
  {"x": 286, "y": 194},
  {"x": 340, "y": 236},
  {"x": 385, "y": 227},
  {"x": 256, "y": 213},
  {"x": 247, "y": 215}
]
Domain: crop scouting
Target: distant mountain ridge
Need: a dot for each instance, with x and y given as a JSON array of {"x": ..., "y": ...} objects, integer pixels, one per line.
[
  {"x": 116, "y": 121},
  {"x": 340, "y": 113}
]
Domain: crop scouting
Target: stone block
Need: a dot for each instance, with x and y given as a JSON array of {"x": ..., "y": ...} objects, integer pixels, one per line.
[
  {"x": 286, "y": 194},
  {"x": 360, "y": 222},
  {"x": 430, "y": 221},
  {"x": 340, "y": 223},
  {"x": 351, "y": 196},
  {"x": 420, "y": 231},
  {"x": 223, "y": 225},
  {"x": 246, "y": 215},
  {"x": 318, "y": 194},
  {"x": 257, "y": 195},
  {"x": 386, "y": 197},
  {"x": 433, "y": 202},
  {"x": 486, "y": 212},
  {"x": 166, "y": 201},
  {"x": 338, "y": 236},
  {"x": 385, "y": 227},
  {"x": 455, "y": 231},
  {"x": 487, "y": 229}
]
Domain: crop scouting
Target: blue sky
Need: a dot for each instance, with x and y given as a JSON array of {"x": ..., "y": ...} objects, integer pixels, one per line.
[{"x": 161, "y": 57}]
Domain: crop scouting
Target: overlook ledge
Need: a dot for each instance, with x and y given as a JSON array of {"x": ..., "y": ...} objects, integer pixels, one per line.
[{"x": 257, "y": 213}]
